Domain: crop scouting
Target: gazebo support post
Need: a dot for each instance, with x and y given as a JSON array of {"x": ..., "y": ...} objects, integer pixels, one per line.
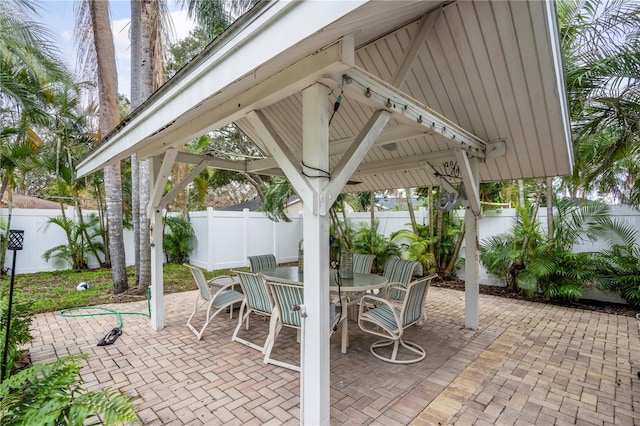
[
  {"x": 315, "y": 377},
  {"x": 156, "y": 241},
  {"x": 472, "y": 269}
]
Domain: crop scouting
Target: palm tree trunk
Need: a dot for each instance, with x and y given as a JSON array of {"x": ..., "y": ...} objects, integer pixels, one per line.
[
  {"x": 5, "y": 240},
  {"x": 372, "y": 224},
  {"x": 550, "y": 208},
  {"x": 109, "y": 118},
  {"x": 431, "y": 227},
  {"x": 103, "y": 227},
  {"x": 412, "y": 215},
  {"x": 439, "y": 242},
  {"x": 456, "y": 252},
  {"x": 145, "y": 17}
]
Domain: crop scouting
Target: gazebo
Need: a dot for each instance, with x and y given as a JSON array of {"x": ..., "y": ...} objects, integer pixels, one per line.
[{"x": 349, "y": 96}]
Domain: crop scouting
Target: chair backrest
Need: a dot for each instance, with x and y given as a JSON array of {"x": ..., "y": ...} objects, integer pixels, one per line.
[
  {"x": 286, "y": 295},
  {"x": 398, "y": 270},
  {"x": 200, "y": 279},
  {"x": 262, "y": 262},
  {"x": 255, "y": 290},
  {"x": 413, "y": 304},
  {"x": 362, "y": 263}
]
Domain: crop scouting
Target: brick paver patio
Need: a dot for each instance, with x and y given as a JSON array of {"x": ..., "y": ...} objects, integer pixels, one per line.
[{"x": 528, "y": 364}]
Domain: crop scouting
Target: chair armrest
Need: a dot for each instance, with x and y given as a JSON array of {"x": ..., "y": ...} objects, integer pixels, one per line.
[
  {"x": 222, "y": 282},
  {"x": 394, "y": 286},
  {"x": 375, "y": 300}
]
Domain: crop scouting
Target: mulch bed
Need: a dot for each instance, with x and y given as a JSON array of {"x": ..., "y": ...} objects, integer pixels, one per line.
[{"x": 593, "y": 305}]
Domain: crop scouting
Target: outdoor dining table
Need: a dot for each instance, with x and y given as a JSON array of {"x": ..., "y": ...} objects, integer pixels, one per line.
[{"x": 359, "y": 284}]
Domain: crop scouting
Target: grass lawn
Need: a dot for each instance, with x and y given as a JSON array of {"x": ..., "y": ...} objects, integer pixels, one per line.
[{"x": 53, "y": 291}]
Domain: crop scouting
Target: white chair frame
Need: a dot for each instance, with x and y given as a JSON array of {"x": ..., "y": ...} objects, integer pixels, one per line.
[
  {"x": 388, "y": 319},
  {"x": 257, "y": 300},
  {"x": 218, "y": 293},
  {"x": 288, "y": 312}
]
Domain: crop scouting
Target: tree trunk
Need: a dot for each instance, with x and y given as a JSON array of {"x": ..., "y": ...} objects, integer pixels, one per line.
[
  {"x": 412, "y": 215},
  {"x": 144, "y": 34},
  {"x": 372, "y": 207},
  {"x": 431, "y": 227},
  {"x": 103, "y": 227},
  {"x": 136, "y": 95},
  {"x": 5, "y": 241},
  {"x": 456, "y": 252},
  {"x": 550, "y": 208},
  {"x": 440, "y": 221},
  {"x": 109, "y": 118}
]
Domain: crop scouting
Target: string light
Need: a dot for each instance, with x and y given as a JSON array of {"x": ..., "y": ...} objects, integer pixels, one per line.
[{"x": 410, "y": 110}]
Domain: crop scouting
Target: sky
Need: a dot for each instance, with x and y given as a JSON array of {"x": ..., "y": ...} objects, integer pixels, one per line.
[{"x": 59, "y": 16}]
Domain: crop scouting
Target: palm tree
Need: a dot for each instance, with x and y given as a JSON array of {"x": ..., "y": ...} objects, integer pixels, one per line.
[
  {"x": 28, "y": 71},
  {"x": 215, "y": 15},
  {"x": 148, "y": 24},
  {"x": 600, "y": 43},
  {"x": 94, "y": 31}
]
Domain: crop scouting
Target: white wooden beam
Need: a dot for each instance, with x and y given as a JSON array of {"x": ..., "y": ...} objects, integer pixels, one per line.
[
  {"x": 365, "y": 88},
  {"x": 471, "y": 183},
  {"x": 283, "y": 155},
  {"x": 248, "y": 52},
  {"x": 340, "y": 146},
  {"x": 401, "y": 163},
  {"x": 445, "y": 184},
  {"x": 497, "y": 148},
  {"x": 315, "y": 361},
  {"x": 218, "y": 163},
  {"x": 388, "y": 135},
  {"x": 472, "y": 261},
  {"x": 179, "y": 186},
  {"x": 424, "y": 27},
  {"x": 213, "y": 114},
  {"x": 352, "y": 158},
  {"x": 161, "y": 179},
  {"x": 157, "y": 255}
]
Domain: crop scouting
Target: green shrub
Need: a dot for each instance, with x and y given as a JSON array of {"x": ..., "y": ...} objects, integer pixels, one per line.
[
  {"x": 180, "y": 241},
  {"x": 50, "y": 394},
  {"x": 382, "y": 246},
  {"x": 19, "y": 333}
]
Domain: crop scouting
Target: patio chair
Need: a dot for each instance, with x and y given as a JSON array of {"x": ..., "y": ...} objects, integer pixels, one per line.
[
  {"x": 399, "y": 271},
  {"x": 288, "y": 296},
  {"x": 218, "y": 294},
  {"x": 257, "y": 300},
  {"x": 389, "y": 320},
  {"x": 362, "y": 263},
  {"x": 262, "y": 262}
]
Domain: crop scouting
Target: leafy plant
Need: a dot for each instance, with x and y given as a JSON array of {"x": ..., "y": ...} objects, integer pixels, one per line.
[
  {"x": 538, "y": 264},
  {"x": 83, "y": 239},
  {"x": 619, "y": 266},
  {"x": 180, "y": 241},
  {"x": 19, "y": 333},
  {"x": 417, "y": 247},
  {"x": 382, "y": 246},
  {"x": 50, "y": 394}
]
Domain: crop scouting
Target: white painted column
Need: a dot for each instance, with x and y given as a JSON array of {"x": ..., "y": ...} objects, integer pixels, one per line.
[
  {"x": 314, "y": 378},
  {"x": 472, "y": 261},
  {"x": 157, "y": 257}
]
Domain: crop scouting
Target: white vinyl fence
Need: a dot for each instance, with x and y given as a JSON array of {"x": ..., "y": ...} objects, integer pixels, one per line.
[{"x": 225, "y": 239}]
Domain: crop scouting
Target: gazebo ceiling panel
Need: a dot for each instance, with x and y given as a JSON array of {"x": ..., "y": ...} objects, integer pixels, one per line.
[{"x": 487, "y": 66}]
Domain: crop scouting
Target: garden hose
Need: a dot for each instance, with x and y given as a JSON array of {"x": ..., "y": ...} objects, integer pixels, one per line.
[{"x": 115, "y": 332}]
